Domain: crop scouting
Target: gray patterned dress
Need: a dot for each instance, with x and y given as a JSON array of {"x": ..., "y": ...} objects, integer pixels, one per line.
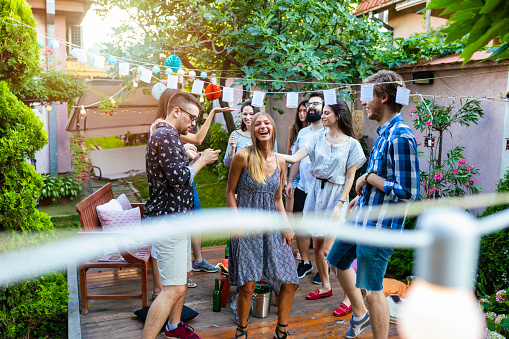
[{"x": 260, "y": 257}]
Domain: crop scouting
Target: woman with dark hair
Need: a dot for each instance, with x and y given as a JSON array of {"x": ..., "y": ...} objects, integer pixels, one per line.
[
  {"x": 335, "y": 155},
  {"x": 257, "y": 176},
  {"x": 291, "y": 146},
  {"x": 240, "y": 138}
]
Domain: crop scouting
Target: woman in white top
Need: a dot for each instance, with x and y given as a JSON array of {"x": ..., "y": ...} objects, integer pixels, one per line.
[
  {"x": 335, "y": 155},
  {"x": 240, "y": 138}
]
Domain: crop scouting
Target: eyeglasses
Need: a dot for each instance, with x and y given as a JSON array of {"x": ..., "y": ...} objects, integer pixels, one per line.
[
  {"x": 193, "y": 117},
  {"x": 314, "y": 103}
]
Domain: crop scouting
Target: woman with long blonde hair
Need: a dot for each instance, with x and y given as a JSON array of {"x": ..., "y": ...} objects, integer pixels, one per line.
[{"x": 257, "y": 175}]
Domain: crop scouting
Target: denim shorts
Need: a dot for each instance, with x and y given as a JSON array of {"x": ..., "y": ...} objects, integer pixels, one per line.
[{"x": 371, "y": 262}]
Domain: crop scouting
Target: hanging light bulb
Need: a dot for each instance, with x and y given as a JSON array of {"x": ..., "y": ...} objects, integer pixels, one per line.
[
  {"x": 213, "y": 79},
  {"x": 113, "y": 102},
  {"x": 201, "y": 97},
  {"x": 135, "y": 84},
  {"x": 48, "y": 107},
  {"x": 446, "y": 276},
  {"x": 83, "y": 111}
]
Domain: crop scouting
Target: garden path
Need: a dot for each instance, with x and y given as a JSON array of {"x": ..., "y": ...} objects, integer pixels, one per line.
[{"x": 115, "y": 319}]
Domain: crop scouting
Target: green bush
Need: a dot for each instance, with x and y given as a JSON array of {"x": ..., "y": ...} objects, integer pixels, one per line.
[
  {"x": 494, "y": 254},
  {"x": 35, "y": 308},
  {"x": 57, "y": 187},
  {"x": 219, "y": 140},
  {"x": 19, "y": 50}
]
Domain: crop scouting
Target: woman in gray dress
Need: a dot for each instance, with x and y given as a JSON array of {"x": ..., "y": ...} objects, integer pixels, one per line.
[
  {"x": 257, "y": 175},
  {"x": 335, "y": 155}
]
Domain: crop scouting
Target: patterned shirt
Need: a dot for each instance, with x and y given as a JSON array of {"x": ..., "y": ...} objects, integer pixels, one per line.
[
  {"x": 169, "y": 175},
  {"x": 394, "y": 157}
]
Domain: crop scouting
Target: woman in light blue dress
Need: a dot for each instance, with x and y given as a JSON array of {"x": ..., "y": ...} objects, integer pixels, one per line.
[{"x": 335, "y": 155}]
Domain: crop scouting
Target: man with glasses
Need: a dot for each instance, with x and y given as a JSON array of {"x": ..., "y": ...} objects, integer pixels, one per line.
[
  {"x": 314, "y": 116},
  {"x": 170, "y": 178}
]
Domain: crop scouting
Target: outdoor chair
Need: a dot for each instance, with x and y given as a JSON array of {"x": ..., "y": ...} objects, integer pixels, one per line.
[{"x": 139, "y": 258}]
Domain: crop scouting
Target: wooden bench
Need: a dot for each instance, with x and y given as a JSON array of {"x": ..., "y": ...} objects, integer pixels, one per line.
[{"x": 90, "y": 225}]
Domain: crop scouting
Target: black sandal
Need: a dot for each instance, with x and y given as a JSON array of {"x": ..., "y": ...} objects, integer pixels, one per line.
[
  {"x": 240, "y": 332},
  {"x": 278, "y": 331}
]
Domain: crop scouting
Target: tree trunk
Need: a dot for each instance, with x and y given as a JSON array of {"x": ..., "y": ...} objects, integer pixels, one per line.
[{"x": 228, "y": 117}]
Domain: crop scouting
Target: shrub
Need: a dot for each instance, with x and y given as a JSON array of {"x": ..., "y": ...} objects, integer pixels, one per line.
[
  {"x": 496, "y": 312},
  {"x": 494, "y": 253},
  {"x": 35, "y": 308},
  {"x": 19, "y": 51},
  {"x": 219, "y": 140}
]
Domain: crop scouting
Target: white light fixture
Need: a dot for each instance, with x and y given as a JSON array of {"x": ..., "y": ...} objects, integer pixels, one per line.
[
  {"x": 446, "y": 271},
  {"x": 135, "y": 84},
  {"x": 83, "y": 111},
  {"x": 48, "y": 107}
]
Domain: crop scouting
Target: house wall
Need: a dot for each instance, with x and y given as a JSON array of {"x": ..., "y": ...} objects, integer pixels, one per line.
[
  {"x": 485, "y": 142},
  {"x": 405, "y": 24},
  {"x": 63, "y": 147}
]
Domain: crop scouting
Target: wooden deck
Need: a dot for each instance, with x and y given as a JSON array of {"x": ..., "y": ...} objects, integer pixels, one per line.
[{"x": 115, "y": 319}]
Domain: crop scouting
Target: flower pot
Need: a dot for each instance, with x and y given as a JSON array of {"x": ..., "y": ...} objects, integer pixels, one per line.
[{"x": 45, "y": 201}]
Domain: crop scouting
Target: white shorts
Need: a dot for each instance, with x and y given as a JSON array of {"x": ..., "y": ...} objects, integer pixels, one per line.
[{"x": 174, "y": 259}]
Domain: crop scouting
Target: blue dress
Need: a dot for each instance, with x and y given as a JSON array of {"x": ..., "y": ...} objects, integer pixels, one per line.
[{"x": 260, "y": 257}]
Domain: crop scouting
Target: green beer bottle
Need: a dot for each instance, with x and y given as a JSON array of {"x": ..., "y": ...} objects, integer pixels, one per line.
[
  {"x": 216, "y": 298},
  {"x": 227, "y": 249}
]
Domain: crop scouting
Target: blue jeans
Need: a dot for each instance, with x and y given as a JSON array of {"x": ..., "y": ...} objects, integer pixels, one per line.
[
  {"x": 371, "y": 262},
  {"x": 197, "y": 205}
]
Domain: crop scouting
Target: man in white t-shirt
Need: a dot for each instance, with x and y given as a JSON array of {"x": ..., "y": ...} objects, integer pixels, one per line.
[{"x": 314, "y": 116}]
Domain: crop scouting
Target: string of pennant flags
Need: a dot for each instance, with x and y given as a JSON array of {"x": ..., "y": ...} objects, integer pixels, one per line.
[{"x": 173, "y": 65}]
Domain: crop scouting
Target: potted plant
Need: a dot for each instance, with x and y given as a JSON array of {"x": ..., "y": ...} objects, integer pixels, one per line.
[{"x": 50, "y": 190}]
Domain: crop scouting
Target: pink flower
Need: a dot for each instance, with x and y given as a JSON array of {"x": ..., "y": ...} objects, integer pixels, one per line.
[
  {"x": 438, "y": 176},
  {"x": 455, "y": 171},
  {"x": 420, "y": 144},
  {"x": 428, "y": 123},
  {"x": 410, "y": 115},
  {"x": 471, "y": 182},
  {"x": 454, "y": 182},
  {"x": 461, "y": 162},
  {"x": 469, "y": 169}
]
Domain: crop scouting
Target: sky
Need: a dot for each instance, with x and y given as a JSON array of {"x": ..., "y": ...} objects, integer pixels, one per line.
[{"x": 96, "y": 29}]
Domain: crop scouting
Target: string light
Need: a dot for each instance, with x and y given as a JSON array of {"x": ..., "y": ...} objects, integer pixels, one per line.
[
  {"x": 83, "y": 111},
  {"x": 48, "y": 107}
]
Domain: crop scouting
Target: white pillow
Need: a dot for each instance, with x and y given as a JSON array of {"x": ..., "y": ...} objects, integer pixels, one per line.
[{"x": 112, "y": 205}]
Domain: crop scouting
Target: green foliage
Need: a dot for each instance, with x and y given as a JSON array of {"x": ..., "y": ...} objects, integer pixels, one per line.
[
  {"x": 50, "y": 85},
  {"x": 283, "y": 40},
  {"x": 140, "y": 183},
  {"x": 496, "y": 311},
  {"x": 480, "y": 20},
  {"x": 494, "y": 254},
  {"x": 452, "y": 177},
  {"x": 35, "y": 308},
  {"x": 21, "y": 134},
  {"x": 401, "y": 264},
  {"x": 57, "y": 187},
  {"x": 19, "y": 51},
  {"x": 68, "y": 221},
  {"x": 419, "y": 46},
  {"x": 219, "y": 140}
]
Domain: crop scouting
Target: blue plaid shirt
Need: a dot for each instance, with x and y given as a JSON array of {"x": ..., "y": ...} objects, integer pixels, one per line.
[{"x": 394, "y": 157}]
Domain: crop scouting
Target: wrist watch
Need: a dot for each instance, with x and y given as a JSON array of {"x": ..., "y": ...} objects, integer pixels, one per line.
[{"x": 366, "y": 178}]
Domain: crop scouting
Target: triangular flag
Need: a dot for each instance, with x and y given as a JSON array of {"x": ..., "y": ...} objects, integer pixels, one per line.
[
  {"x": 146, "y": 75},
  {"x": 99, "y": 62},
  {"x": 228, "y": 94},
  {"x": 81, "y": 55},
  {"x": 123, "y": 68},
  {"x": 330, "y": 97},
  {"x": 197, "y": 87},
  {"x": 292, "y": 100},
  {"x": 367, "y": 92},
  {"x": 403, "y": 95},
  {"x": 173, "y": 81},
  {"x": 258, "y": 98}
]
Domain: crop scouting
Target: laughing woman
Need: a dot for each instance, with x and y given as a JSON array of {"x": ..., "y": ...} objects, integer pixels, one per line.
[
  {"x": 257, "y": 175},
  {"x": 335, "y": 155}
]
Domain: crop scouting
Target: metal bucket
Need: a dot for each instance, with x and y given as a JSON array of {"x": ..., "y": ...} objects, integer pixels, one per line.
[{"x": 260, "y": 305}]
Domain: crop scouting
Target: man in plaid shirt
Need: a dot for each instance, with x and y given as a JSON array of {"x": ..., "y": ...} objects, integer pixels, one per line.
[{"x": 392, "y": 177}]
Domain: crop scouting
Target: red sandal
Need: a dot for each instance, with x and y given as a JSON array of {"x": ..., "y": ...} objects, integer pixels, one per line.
[{"x": 317, "y": 295}]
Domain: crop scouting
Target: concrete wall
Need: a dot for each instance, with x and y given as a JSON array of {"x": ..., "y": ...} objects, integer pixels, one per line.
[{"x": 484, "y": 143}]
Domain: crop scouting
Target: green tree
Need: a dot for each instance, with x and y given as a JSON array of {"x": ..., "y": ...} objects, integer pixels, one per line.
[
  {"x": 481, "y": 20},
  {"x": 285, "y": 40}
]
